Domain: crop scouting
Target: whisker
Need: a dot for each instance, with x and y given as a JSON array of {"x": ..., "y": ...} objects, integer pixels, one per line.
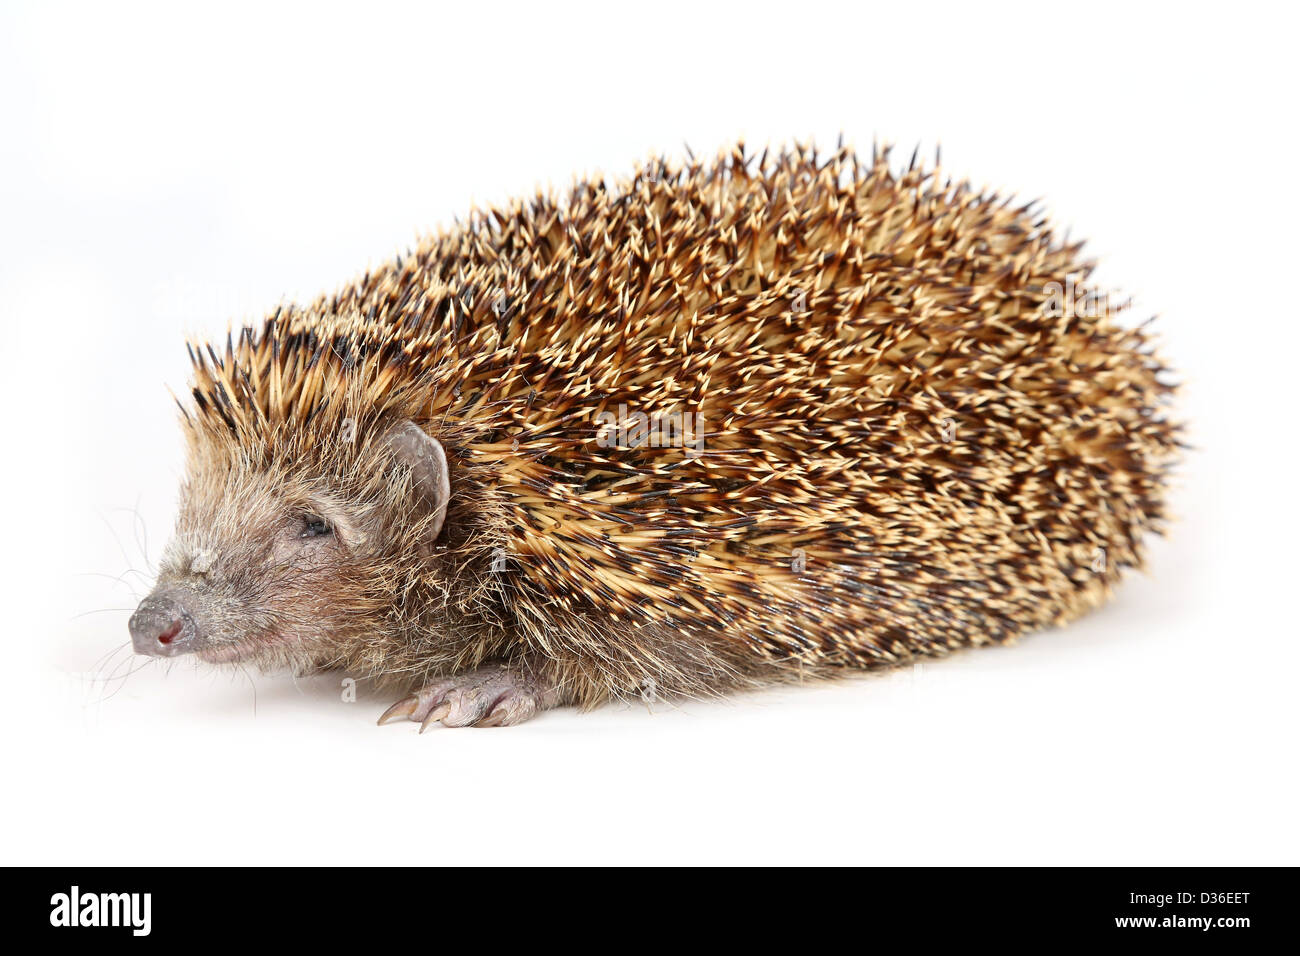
[
  {"x": 107, "y": 657},
  {"x": 124, "y": 678},
  {"x": 251, "y": 683},
  {"x": 140, "y": 532},
  {"x": 100, "y": 610},
  {"x": 126, "y": 558}
]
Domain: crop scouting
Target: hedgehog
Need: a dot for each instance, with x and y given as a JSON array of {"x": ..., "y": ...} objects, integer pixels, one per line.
[{"x": 717, "y": 425}]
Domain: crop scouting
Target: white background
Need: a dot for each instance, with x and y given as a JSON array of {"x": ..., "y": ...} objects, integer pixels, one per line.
[{"x": 165, "y": 172}]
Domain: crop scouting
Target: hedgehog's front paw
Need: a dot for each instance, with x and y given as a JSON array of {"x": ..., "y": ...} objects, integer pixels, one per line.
[{"x": 487, "y": 697}]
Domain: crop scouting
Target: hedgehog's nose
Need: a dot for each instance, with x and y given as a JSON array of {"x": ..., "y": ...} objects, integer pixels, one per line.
[{"x": 161, "y": 627}]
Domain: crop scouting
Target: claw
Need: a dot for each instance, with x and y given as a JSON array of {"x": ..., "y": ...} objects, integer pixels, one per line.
[
  {"x": 435, "y": 715},
  {"x": 403, "y": 708},
  {"x": 491, "y": 696}
]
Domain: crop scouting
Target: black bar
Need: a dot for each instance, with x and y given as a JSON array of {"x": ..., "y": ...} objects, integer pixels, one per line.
[{"x": 1177, "y": 907}]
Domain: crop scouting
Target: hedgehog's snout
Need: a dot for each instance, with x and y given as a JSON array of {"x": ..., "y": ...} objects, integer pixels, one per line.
[{"x": 162, "y": 626}]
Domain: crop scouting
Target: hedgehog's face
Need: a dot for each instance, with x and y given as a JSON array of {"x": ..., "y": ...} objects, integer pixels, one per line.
[{"x": 279, "y": 566}]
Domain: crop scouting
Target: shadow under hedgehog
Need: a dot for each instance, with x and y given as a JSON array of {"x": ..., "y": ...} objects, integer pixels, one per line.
[{"x": 722, "y": 425}]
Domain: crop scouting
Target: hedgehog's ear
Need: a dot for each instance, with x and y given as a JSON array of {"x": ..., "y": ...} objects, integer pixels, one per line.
[{"x": 409, "y": 444}]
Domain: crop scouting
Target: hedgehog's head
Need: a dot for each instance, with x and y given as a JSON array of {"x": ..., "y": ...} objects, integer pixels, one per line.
[{"x": 289, "y": 554}]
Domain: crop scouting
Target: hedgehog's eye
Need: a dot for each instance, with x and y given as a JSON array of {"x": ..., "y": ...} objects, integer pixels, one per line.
[{"x": 315, "y": 527}]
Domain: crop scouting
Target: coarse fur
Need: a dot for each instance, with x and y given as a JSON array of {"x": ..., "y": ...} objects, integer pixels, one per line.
[{"x": 898, "y": 449}]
